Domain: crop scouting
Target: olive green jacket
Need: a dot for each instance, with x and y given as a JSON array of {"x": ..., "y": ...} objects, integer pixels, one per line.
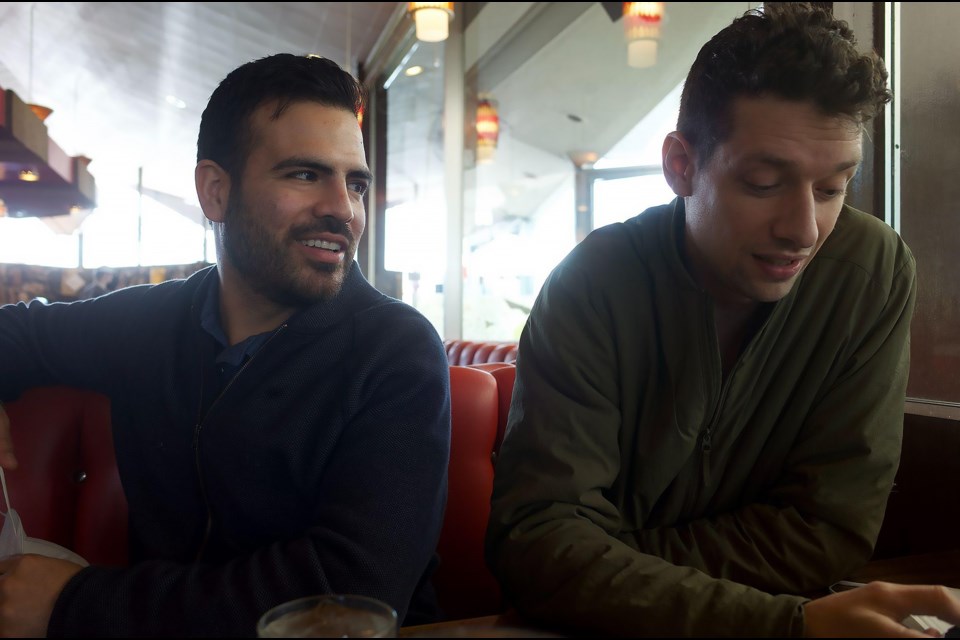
[{"x": 637, "y": 493}]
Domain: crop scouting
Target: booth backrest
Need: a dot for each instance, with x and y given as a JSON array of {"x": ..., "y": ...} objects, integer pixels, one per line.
[
  {"x": 66, "y": 488},
  {"x": 465, "y": 587},
  {"x": 505, "y": 374},
  {"x": 468, "y": 352}
]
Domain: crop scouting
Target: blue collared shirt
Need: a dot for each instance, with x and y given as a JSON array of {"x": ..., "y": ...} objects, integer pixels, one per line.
[{"x": 231, "y": 357}]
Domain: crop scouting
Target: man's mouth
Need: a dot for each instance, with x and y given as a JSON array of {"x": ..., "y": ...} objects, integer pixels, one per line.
[
  {"x": 336, "y": 247},
  {"x": 780, "y": 262}
]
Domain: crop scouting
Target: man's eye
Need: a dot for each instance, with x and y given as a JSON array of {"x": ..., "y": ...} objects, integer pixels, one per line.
[
  {"x": 303, "y": 175},
  {"x": 761, "y": 188},
  {"x": 358, "y": 187},
  {"x": 830, "y": 194}
]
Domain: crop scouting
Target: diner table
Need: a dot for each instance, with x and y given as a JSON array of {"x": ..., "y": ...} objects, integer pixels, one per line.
[{"x": 941, "y": 567}]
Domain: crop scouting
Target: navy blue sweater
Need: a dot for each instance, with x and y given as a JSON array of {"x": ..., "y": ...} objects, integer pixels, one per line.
[{"x": 320, "y": 467}]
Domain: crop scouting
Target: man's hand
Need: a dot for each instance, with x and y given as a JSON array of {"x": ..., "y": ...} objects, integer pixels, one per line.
[
  {"x": 29, "y": 587},
  {"x": 876, "y": 610},
  {"x": 7, "y": 460}
]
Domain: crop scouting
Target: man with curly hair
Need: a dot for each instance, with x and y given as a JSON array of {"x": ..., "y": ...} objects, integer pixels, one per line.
[{"x": 708, "y": 408}]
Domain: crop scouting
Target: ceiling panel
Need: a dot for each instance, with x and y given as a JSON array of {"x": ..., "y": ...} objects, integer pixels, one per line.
[{"x": 107, "y": 69}]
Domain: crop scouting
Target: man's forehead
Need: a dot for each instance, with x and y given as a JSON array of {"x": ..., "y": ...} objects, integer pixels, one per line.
[{"x": 784, "y": 134}]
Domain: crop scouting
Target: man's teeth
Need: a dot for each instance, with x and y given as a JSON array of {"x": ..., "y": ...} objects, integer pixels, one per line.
[{"x": 322, "y": 244}]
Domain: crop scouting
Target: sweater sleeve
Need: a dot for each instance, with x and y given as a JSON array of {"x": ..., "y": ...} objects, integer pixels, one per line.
[
  {"x": 73, "y": 344},
  {"x": 553, "y": 538},
  {"x": 377, "y": 518}
]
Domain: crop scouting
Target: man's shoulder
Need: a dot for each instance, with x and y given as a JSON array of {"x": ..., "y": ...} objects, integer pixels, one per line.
[
  {"x": 639, "y": 239},
  {"x": 866, "y": 243},
  {"x": 158, "y": 294},
  {"x": 399, "y": 317},
  {"x": 614, "y": 259},
  {"x": 382, "y": 318}
]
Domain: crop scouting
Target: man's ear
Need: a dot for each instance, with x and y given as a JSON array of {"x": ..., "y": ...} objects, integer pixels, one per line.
[
  {"x": 213, "y": 189},
  {"x": 678, "y": 164}
]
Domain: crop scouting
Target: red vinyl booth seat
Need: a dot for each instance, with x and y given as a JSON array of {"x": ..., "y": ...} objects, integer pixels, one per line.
[
  {"x": 465, "y": 587},
  {"x": 469, "y": 352},
  {"x": 505, "y": 374},
  {"x": 67, "y": 489}
]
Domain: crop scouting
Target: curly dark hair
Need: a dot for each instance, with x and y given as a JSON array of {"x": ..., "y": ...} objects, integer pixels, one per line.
[
  {"x": 796, "y": 52},
  {"x": 225, "y": 134}
]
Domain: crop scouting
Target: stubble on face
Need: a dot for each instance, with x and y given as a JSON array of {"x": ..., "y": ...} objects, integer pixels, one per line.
[
  {"x": 263, "y": 259},
  {"x": 768, "y": 197}
]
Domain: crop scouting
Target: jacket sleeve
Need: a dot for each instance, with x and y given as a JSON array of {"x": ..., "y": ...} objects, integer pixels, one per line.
[
  {"x": 821, "y": 519},
  {"x": 553, "y": 536}
]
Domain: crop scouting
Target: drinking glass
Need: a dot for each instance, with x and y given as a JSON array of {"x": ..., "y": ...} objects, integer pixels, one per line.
[{"x": 329, "y": 616}]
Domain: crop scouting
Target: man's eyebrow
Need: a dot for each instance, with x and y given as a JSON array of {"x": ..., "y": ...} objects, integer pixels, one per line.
[
  {"x": 782, "y": 163},
  {"x": 321, "y": 167}
]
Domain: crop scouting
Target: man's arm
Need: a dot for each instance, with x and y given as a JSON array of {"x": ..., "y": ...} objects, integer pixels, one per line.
[
  {"x": 821, "y": 519},
  {"x": 551, "y": 539},
  {"x": 554, "y": 537},
  {"x": 377, "y": 519}
]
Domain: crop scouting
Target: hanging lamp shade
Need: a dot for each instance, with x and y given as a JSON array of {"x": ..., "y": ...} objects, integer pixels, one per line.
[
  {"x": 37, "y": 178},
  {"x": 641, "y": 25},
  {"x": 432, "y": 19},
  {"x": 488, "y": 130}
]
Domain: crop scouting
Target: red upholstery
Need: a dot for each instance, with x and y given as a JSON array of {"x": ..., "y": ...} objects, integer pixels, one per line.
[
  {"x": 506, "y": 352},
  {"x": 482, "y": 354},
  {"x": 454, "y": 347},
  {"x": 468, "y": 352},
  {"x": 67, "y": 489},
  {"x": 505, "y": 374},
  {"x": 464, "y": 585}
]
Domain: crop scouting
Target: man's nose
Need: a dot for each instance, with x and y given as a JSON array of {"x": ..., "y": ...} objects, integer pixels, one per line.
[
  {"x": 797, "y": 222},
  {"x": 335, "y": 201}
]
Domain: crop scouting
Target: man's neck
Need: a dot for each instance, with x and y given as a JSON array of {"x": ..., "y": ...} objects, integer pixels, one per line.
[
  {"x": 736, "y": 324},
  {"x": 244, "y": 312}
]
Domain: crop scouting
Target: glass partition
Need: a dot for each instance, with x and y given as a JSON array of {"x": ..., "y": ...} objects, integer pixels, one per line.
[
  {"x": 569, "y": 113},
  {"x": 415, "y": 219}
]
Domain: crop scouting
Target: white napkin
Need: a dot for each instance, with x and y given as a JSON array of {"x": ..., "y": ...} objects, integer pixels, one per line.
[
  {"x": 11, "y": 535},
  {"x": 14, "y": 541}
]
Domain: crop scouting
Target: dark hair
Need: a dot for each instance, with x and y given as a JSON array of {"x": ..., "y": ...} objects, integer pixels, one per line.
[
  {"x": 795, "y": 52},
  {"x": 225, "y": 134}
]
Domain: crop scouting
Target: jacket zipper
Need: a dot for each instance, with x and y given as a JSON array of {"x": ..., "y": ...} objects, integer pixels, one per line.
[
  {"x": 196, "y": 438},
  {"x": 706, "y": 441},
  {"x": 706, "y": 438}
]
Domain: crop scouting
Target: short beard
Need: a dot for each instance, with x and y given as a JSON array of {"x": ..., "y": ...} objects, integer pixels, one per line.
[{"x": 267, "y": 266}]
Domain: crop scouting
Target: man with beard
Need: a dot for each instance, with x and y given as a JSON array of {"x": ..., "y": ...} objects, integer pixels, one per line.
[{"x": 281, "y": 428}]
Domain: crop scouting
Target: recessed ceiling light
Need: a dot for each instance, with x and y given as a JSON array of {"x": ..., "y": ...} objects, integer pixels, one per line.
[
  {"x": 176, "y": 102},
  {"x": 415, "y": 70}
]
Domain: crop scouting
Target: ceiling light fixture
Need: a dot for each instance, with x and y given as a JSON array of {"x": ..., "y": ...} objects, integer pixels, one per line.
[
  {"x": 641, "y": 25},
  {"x": 40, "y": 111},
  {"x": 415, "y": 70},
  {"x": 174, "y": 101},
  {"x": 432, "y": 19},
  {"x": 488, "y": 130}
]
